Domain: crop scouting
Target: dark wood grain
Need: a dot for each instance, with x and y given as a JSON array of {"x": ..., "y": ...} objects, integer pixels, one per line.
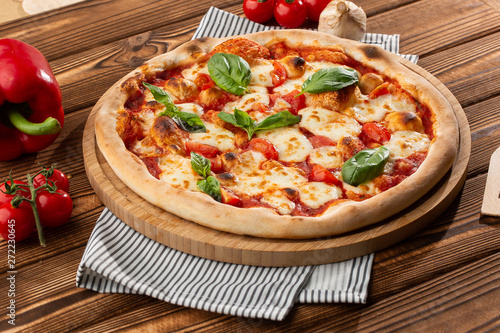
[{"x": 443, "y": 279}]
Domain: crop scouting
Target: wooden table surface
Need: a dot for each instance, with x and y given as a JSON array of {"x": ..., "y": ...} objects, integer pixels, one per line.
[{"x": 443, "y": 279}]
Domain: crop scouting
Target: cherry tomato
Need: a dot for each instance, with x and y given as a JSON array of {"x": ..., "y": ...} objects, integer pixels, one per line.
[
  {"x": 58, "y": 177},
  {"x": 259, "y": 11},
  {"x": 315, "y": 7},
  {"x": 383, "y": 89},
  {"x": 278, "y": 74},
  {"x": 372, "y": 132},
  {"x": 321, "y": 174},
  {"x": 201, "y": 148},
  {"x": 204, "y": 81},
  {"x": 55, "y": 208},
  {"x": 216, "y": 164},
  {"x": 296, "y": 102},
  {"x": 321, "y": 141},
  {"x": 5, "y": 198},
  {"x": 290, "y": 13},
  {"x": 229, "y": 198},
  {"x": 16, "y": 223},
  {"x": 264, "y": 147}
]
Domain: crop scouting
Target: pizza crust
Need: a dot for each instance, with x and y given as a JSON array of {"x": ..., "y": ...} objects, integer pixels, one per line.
[{"x": 261, "y": 222}]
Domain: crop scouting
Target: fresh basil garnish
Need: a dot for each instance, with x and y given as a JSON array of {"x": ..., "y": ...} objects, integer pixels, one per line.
[
  {"x": 200, "y": 164},
  {"x": 209, "y": 184},
  {"x": 365, "y": 165},
  {"x": 187, "y": 121},
  {"x": 230, "y": 72},
  {"x": 242, "y": 119},
  {"x": 329, "y": 79}
]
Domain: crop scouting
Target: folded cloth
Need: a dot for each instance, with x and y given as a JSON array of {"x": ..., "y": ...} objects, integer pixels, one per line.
[{"x": 118, "y": 259}]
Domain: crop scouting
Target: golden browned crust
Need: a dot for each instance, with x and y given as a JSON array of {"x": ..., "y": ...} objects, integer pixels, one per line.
[{"x": 343, "y": 217}]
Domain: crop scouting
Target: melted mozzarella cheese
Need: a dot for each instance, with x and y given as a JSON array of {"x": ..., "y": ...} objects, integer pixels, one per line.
[
  {"x": 177, "y": 171},
  {"x": 146, "y": 119},
  {"x": 191, "y": 108},
  {"x": 261, "y": 74},
  {"x": 247, "y": 101},
  {"x": 292, "y": 145},
  {"x": 192, "y": 72},
  {"x": 280, "y": 202},
  {"x": 368, "y": 188},
  {"x": 329, "y": 123},
  {"x": 144, "y": 147},
  {"x": 369, "y": 110},
  {"x": 404, "y": 143},
  {"x": 215, "y": 136},
  {"x": 289, "y": 86},
  {"x": 328, "y": 156},
  {"x": 316, "y": 194},
  {"x": 252, "y": 180}
]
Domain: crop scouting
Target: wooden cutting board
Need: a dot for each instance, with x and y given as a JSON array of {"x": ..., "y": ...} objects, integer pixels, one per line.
[{"x": 197, "y": 240}]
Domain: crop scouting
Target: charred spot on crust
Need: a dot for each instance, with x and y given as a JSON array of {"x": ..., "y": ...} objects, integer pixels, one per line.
[
  {"x": 192, "y": 49},
  {"x": 372, "y": 52}
]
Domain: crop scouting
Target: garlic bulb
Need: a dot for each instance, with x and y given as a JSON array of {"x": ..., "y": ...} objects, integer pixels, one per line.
[{"x": 343, "y": 19}]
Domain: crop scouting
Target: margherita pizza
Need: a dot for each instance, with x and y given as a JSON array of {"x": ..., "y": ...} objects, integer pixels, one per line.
[{"x": 278, "y": 134}]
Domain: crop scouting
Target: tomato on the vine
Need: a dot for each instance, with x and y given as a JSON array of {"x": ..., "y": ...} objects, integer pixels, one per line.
[
  {"x": 259, "y": 11},
  {"x": 290, "y": 13},
  {"x": 57, "y": 176},
  {"x": 55, "y": 208},
  {"x": 6, "y": 197},
  {"x": 16, "y": 223},
  {"x": 315, "y": 7}
]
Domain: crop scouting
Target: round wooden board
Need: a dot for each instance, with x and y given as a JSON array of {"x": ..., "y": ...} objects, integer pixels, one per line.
[{"x": 197, "y": 240}]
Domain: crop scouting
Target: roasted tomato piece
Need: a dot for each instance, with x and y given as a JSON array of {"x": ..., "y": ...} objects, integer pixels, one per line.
[
  {"x": 264, "y": 147},
  {"x": 201, "y": 148},
  {"x": 321, "y": 141},
  {"x": 373, "y": 132},
  {"x": 204, "y": 81},
  {"x": 229, "y": 198},
  {"x": 321, "y": 174},
  {"x": 383, "y": 89},
  {"x": 296, "y": 102},
  {"x": 278, "y": 74}
]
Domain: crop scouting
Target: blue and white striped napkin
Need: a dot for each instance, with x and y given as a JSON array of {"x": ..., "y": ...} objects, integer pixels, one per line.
[{"x": 118, "y": 259}]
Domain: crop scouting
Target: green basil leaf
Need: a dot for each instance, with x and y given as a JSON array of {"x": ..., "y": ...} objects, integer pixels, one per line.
[
  {"x": 239, "y": 119},
  {"x": 230, "y": 72},
  {"x": 242, "y": 119},
  {"x": 280, "y": 119},
  {"x": 162, "y": 97},
  {"x": 365, "y": 165},
  {"x": 330, "y": 79},
  {"x": 187, "y": 121},
  {"x": 200, "y": 164},
  {"x": 210, "y": 186}
]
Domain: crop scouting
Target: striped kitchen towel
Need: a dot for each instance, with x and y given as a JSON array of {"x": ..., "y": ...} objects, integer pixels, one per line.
[{"x": 118, "y": 259}]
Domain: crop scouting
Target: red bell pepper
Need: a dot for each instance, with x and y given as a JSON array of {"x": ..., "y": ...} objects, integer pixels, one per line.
[{"x": 31, "y": 113}]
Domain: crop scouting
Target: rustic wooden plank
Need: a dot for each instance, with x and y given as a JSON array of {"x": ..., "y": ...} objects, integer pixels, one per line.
[
  {"x": 471, "y": 70},
  {"x": 438, "y": 24},
  {"x": 88, "y": 24}
]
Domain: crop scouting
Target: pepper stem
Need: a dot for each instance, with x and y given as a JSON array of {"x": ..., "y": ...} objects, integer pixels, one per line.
[{"x": 48, "y": 126}]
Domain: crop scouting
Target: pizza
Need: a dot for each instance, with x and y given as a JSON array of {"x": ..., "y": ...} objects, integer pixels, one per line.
[{"x": 279, "y": 134}]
